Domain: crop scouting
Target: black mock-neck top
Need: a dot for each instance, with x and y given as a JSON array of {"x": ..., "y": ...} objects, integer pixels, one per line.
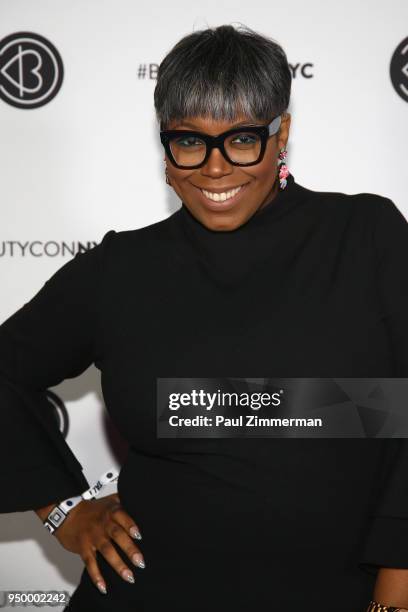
[{"x": 314, "y": 284}]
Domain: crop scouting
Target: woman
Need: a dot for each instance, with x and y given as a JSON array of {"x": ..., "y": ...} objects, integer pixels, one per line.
[{"x": 254, "y": 276}]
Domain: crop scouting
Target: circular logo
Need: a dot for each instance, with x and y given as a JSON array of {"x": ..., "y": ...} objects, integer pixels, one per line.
[
  {"x": 399, "y": 69},
  {"x": 31, "y": 70},
  {"x": 58, "y": 412}
]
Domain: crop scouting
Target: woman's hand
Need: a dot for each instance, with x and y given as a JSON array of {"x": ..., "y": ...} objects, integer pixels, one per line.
[{"x": 90, "y": 526}]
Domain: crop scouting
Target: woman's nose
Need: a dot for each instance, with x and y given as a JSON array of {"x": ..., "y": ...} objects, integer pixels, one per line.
[{"x": 216, "y": 165}]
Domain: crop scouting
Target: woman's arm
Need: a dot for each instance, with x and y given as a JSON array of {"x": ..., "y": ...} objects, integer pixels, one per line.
[
  {"x": 57, "y": 335},
  {"x": 52, "y": 337},
  {"x": 386, "y": 547}
]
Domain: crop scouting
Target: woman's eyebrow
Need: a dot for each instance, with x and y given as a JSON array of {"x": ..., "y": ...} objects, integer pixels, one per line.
[{"x": 194, "y": 127}]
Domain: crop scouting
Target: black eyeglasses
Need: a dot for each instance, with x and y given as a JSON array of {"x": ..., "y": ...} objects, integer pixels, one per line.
[{"x": 241, "y": 146}]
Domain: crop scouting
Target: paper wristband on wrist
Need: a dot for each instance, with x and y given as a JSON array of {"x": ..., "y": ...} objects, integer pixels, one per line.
[{"x": 59, "y": 513}]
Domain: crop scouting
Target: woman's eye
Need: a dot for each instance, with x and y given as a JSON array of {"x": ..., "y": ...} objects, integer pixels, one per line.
[
  {"x": 188, "y": 141},
  {"x": 244, "y": 139}
]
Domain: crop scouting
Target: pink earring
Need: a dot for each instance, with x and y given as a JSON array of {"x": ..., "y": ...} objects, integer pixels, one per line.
[{"x": 283, "y": 169}]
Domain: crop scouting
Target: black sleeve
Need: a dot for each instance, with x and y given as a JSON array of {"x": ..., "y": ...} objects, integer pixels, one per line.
[
  {"x": 50, "y": 338},
  {"x": 386, "y": 542}
]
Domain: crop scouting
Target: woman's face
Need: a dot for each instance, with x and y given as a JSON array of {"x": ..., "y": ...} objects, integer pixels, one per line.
[{"x": 218, "y": 175}]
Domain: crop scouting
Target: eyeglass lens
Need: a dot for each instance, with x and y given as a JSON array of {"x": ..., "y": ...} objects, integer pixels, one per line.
[{"x": 241, "y": 147}]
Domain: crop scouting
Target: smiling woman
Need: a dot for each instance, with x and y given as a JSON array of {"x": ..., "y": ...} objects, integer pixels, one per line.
[
  {"x": 253, "y": 277},
  {"x": 224, "y": 126}
]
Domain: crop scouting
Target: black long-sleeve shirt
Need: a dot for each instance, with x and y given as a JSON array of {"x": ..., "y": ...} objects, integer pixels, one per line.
[{"x": 315, "y": 284}]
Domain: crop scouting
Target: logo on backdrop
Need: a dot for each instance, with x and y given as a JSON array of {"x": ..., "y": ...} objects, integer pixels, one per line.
[
  {"x": 299, "y": 70},
  {"x": 31, "y": 70},
  {"x": 399, "y": 69},
  {"x": 58, "y": 412},
  {"x": 40, "y": 248}
]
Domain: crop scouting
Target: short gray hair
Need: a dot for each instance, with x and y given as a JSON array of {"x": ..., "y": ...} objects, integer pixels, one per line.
[{"x": 221, "y": 73}]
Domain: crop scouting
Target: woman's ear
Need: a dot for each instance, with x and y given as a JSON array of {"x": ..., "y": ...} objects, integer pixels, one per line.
[{"x": 284, "y": 130}]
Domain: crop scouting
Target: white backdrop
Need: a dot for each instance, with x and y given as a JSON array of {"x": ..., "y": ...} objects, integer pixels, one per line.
[{"x": 90, "y": 160}]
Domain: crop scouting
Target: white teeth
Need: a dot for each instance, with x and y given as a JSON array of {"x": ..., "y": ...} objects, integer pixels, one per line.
[{"x": 221, "y": 197}]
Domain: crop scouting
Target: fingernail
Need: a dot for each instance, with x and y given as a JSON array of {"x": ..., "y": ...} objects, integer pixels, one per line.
[
  {"x": 127, "y": 575},
  {"x": 135, "y": 533},
  {"x": 138, "y": 560},
  {"x": 101, "y": 587}
]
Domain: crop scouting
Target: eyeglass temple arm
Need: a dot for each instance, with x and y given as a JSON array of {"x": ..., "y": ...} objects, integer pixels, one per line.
[{"x": 274, "y": 126}]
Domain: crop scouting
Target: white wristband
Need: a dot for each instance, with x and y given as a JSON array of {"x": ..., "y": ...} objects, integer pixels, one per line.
[{"x": 59, "y": 513}]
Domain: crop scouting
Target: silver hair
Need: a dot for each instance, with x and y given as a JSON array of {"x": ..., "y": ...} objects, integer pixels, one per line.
[{"x": 222, "y": 73}]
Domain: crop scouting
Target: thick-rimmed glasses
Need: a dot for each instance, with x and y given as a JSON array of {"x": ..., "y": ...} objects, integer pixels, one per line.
[{"x": 240, "y": 146}]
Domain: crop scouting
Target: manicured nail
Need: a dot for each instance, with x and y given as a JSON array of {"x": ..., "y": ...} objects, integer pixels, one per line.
[
  {"x": 127, "y": 575},
  {"x": 135, "y": 533},
  {"x": 101, "y": 587},
  {"x": 138, "y": 560}
]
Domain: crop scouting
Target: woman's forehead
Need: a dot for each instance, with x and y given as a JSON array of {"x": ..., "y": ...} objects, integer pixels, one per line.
[{"x": 202, "y": 123}]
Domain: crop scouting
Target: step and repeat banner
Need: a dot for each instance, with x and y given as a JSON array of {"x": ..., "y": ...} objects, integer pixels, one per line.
[{"x": 80, "y": 154}]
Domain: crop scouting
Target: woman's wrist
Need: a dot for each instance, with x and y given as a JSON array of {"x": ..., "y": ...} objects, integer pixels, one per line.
[
  {"x": 391, "y": 588},
  {"x": 43, "y": 512},
  {"x": 377, "y": 606},
  {"x": 53, "y": 515}
]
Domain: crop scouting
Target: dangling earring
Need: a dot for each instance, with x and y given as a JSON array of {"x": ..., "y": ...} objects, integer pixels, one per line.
[
  {"x": 167, "y": 176},
  {"x": 283, "y": 169}
]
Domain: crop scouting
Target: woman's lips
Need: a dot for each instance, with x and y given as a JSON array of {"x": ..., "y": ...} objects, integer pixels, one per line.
[{"x": 227, "y": 204}]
